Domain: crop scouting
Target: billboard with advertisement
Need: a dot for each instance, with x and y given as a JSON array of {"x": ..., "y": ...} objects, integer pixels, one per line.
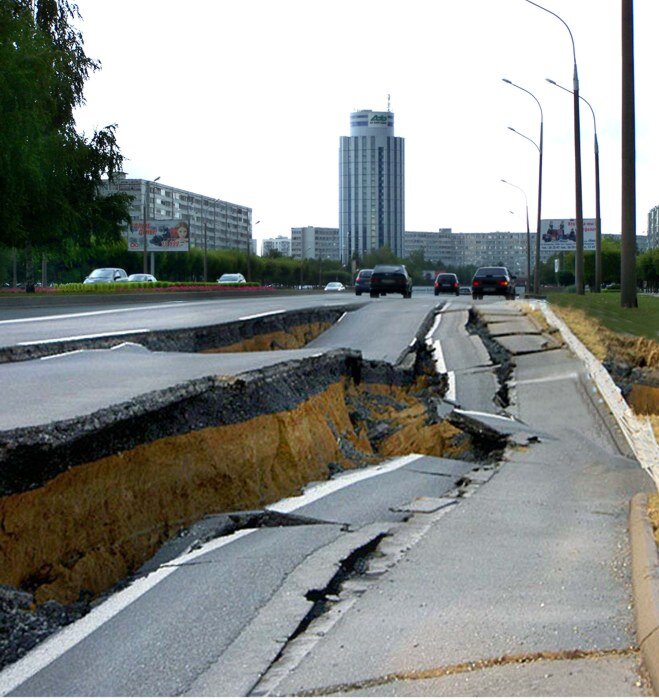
[
  {"x": 162, "y": 236},
  {"x": 557, "y": 235}
]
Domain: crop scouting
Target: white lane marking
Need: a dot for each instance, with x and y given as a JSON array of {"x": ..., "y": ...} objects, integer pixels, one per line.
[
  {"x": 58, "y": 317},
  {"x": 88, "y": 350},
  {"x": 451, "y": 394},
  {"x": 265, "y": 313},
  {"x": 343, "y": 315},
  {"x": 106, "y": 334},
  {"x": 59, "y": 643},
  {"x": 288, "y": 505},
  {"x": 542, "y": 380},
  {"x": 486, "y": 415}
]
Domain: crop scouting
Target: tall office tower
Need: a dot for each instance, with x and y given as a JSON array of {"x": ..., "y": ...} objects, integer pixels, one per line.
[{"x": 371, "y": 186}]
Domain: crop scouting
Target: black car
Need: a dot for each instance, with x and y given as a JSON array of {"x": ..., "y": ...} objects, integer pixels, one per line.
[
  {"x": 447, "y": 283},
  {"x": 493, "y": 280},
  {"x": 387, "y": 279},
  {"x": 363, "y": 282}
]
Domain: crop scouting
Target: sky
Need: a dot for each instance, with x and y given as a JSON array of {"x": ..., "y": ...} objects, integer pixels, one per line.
[{"x": 245, "y": 100}]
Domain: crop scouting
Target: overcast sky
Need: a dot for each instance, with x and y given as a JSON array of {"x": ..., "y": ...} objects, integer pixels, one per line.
[{"x": 245, "y": 100}]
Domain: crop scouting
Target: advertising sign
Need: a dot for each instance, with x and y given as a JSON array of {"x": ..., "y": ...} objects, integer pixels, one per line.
[
  {"x": 162, "y": 236},
  {"x": 560, "y": 234}
]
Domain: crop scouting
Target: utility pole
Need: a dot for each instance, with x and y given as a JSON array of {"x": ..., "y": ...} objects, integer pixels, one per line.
[{"x": 628, "y": 229}]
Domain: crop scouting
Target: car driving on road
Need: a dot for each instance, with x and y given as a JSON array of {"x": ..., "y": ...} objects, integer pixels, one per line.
[
  {"x": 141, "y": 277},
  {"x": 231, "y": 278},
  {"x": 447, "y": 283},
  {"x": 493, "y": 280},
  {"x": 334, "y": 287},
  {"x": 363, "y": 282},
  {"x": 106, "y": 275},
  {"x": 388, "y": 279}
]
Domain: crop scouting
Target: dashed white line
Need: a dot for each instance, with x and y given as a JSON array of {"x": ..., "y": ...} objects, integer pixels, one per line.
[
  {"x": 58, "y": 317},
  {"x": 106, "y": 334}
]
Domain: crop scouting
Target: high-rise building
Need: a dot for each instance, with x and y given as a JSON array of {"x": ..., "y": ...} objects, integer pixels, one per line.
[
  {"x": 653, "y": 228},
  {"x": 371, "y": 186}
]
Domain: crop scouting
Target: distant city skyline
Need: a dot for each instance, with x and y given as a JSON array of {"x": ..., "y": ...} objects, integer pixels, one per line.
[{"x": 254, "y": 116}]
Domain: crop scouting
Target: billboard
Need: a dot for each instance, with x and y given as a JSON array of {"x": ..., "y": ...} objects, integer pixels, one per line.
[
  {"x": 560, "y": 234},
  {"x": 162, "y": 236}
]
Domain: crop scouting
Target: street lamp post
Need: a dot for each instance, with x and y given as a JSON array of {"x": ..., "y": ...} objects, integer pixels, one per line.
[
  {"x": 579, "y": 266},
  {"x": 536, "y": 272},
  {"x": 144, "y": 215},
  {"x": 598, "y": 216},
  {"x": 536, "y": 276},
  {"x": 528, "y": 237}
]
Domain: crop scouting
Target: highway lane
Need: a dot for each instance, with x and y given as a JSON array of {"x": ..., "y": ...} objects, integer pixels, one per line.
[
  {"x": 111, "y": 320},
  {"x": 172, "y": 637},
  {"x": 81, "y": 382}
]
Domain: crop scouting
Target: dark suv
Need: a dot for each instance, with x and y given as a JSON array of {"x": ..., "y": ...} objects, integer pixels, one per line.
[
  {"x": 391, "y": 279},
  {"x": 447, "y": 282},
  {"x": 363, "y": 282},
  {"x": 493, "y": 280}
]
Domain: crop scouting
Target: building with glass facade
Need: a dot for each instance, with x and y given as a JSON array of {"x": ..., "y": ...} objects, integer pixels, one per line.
[{"x": 371, "y": 186}]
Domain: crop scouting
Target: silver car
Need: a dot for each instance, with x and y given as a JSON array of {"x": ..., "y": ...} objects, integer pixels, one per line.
[{"x": 106, "y": 275}]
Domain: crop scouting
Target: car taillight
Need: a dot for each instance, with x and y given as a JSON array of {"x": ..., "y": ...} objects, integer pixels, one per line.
[
  {"x": 476, "y": 283},
  {"x": 504, "y": 283},
  {"x": 455, "y": 284}
]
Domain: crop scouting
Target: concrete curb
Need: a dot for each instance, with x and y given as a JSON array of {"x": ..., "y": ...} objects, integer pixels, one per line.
[{"x": 645, "y": 581}]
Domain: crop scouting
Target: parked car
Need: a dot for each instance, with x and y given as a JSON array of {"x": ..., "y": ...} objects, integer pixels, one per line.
[
  {"x": 388, "y": 279},
  {"x": 493, "y": 280},
  {"x": 363, "y": 282},
  {"x": 106, "y": 275},
  {"x": 141, "y": 277},
  {"x": 447, "y": 283},
  {"x": 334, "y": 287},
  {"x": 231, "y": 278}
]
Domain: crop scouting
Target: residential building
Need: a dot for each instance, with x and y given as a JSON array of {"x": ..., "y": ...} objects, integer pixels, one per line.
[
  {"x": 316, "y": 243},
  {"x": 220, "y": 224},
  {"x": 371, "y": 186},
  {"x": 282, "y": 244},
  {"x": 435, "y": 245}
]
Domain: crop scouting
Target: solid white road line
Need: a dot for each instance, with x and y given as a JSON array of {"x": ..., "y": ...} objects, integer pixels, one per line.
[
  {"x": 59, "y": 643},
  {"x": 288, "y": 505},
  {"x": 266, "y": 313}
]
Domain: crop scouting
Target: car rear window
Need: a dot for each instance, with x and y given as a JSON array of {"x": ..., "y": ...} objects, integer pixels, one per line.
[
  {"x": 388, "y": 269},
  {"x": 447, "y": 278},
  {"x": 492, "y": 271}
]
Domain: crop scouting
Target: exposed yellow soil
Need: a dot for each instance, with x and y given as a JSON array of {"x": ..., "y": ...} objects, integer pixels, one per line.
[
  {"x": 292, "y": 339},
  {"x": 91, "y": 526}
]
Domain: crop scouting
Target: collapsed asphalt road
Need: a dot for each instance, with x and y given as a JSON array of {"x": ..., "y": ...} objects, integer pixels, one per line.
[{"x": 247, "y": 603}]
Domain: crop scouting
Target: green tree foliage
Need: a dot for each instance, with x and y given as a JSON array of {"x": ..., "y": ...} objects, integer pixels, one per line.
[{"x": 49, "y": 174}]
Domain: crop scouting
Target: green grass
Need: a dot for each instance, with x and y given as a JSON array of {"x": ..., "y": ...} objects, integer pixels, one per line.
[{"x": 605, "y": 307}]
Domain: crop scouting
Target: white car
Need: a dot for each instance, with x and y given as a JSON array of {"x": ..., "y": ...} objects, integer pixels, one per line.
[
  {"x": 334, "y": 287},
  {"x": 141, "y": 277},
  {"x": 231, "y": 278}
]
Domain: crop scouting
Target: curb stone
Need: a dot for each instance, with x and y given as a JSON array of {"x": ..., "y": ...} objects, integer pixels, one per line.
[{"x": 645, "y": 581}]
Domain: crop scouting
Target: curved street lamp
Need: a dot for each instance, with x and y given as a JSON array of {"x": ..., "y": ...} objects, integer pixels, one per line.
[
  {"x": 528, "y": 236},
  {"x": 536, "y": 278},
  {"x": 579, "y": 276},
  {"x": 598, "y": 217}
]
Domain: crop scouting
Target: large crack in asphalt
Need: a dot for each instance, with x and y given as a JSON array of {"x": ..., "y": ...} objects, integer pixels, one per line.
[{"x": 350, "y": 411}]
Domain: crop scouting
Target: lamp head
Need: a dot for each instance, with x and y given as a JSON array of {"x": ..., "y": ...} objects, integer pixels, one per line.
[
  {"x": 158, "y": 178},
  {"x": 511, "y": 128},
  {"x": 549, "y": 80},
  {"x": 505, "y": 80}
]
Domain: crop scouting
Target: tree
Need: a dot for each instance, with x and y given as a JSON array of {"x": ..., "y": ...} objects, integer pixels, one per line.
[{"x": 50, "y": 174}]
